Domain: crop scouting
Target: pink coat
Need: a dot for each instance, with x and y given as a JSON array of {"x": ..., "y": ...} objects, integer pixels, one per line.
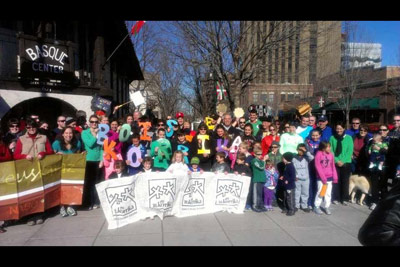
[{"x": 325, "y": 166}]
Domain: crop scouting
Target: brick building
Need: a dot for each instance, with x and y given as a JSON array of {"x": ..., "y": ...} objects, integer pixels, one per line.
[{"x": 311, "y": 52}]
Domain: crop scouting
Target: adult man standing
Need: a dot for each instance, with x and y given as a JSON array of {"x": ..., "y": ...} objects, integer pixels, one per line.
[
  {"x": 254, "y": 121},
  {"x": 393, "y": 154},
  {"x": 326, "y": 131},
  {"x": 313, "y": 122},
  {"x": 264, "y": 128},
  {"x": 304, "y": 128},
  {"x": 60, "y": 125},
  {"x": 241, "y": 124},
  {"x": 227, "y": 124},
  {"x": 289, "y": 141},
  {"x": 355, "y": 127}
]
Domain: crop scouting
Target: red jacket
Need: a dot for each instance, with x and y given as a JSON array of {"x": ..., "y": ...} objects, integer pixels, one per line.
[
  {"x": 5, "y": 154},
  {"x": 266, "y": 143}
]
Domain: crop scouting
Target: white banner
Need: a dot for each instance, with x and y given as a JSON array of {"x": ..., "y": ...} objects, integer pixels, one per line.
[{"x": 130, "y": 199}]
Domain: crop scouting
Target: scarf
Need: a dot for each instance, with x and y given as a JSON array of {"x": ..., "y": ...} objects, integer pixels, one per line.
[{"x": 339, "y": 139}]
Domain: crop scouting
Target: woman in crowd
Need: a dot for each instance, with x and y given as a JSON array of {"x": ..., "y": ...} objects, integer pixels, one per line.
[
  {"x": 248, "y": 136},
  {"x": 267, "y": 141},
  {"x": 67, "y": 143},
  {"x": 94, "y": 164},
  {"x": 359, "y": 158},
  {"x": 11, "y": 137},
  {"x": 342, "y": 148},
  {"x": 222, "y": 142},
  {"x": 29, "y": 146},
  {"x": 204, "y": 150}
]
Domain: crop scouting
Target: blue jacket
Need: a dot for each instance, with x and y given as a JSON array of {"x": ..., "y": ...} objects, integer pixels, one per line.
[{"x": 289, "y": 175}]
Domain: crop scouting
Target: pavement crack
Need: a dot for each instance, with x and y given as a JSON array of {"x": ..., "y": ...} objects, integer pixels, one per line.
[{"x": 220, "y": 224}]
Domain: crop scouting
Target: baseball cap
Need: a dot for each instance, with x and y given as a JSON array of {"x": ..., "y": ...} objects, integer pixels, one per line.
[
  {"x": 323, "y": 118},
  {"x": 179, "y": 114},
  {"x": 195, "y": 160}
]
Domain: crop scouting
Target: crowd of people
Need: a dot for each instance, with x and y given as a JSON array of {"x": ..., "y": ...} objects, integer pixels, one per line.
[{"x": 297, "y": 165}]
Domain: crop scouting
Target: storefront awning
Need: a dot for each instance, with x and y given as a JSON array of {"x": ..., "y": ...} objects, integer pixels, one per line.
[{"x": 358, "y": 103}]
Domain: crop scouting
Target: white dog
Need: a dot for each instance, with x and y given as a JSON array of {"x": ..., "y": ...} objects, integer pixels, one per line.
[{"x": 361, "y": 183}]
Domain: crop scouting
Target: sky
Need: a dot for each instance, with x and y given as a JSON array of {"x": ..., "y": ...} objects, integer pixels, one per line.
[{"x": 386, "y": 33}]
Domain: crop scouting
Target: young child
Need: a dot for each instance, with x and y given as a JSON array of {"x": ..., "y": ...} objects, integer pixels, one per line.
[
  {"x": 326, "y": 175},
  {"x": 136, "y": 143},
  {"x": 377, "y": 156},
  {"x": 289, "y": 178},
  {"x": 147, "y": 165},
  {"x": 194, "y": 162},
  {"x": 240, "y": 167},
  {"x": 301, "y": 162},
  {"x": 119, "y": 170},
  {"x": 181, "y": 144},
  {"x": 244, "y": 148},
  {"x": 272, "y": 176},
  {"x": 258, "y": 180},
  {"x": 312, "y": 146},
  {"x": 220, "y": 166},
  {"x": 178, "y": 164}
]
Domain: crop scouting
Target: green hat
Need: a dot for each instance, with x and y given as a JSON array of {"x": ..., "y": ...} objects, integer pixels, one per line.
[{"x": 195, "y": 160}]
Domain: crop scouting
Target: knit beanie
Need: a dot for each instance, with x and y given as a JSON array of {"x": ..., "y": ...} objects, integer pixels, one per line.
[{"x": 288, "y": 156}]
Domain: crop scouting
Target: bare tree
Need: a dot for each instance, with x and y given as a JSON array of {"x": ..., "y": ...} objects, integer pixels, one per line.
[
  {"x": 223, "y": 48},
  {"x": 357, "y": 48}
]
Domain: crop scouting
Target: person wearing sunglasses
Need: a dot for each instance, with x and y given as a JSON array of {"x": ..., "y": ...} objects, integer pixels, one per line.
[
  {"x": 359, "y": 158},
  {"x": 29, "y": 146},
  {"x": 241, "y": 124},
  {"x": 14, "y": 132},
  {"x": 197, "y": 144},
  {"x": 269, "y": 139},
  {"x": 94, "y": 163},
  {"x": 355, "y": 127},
  {"x": 61, "y": 123}
]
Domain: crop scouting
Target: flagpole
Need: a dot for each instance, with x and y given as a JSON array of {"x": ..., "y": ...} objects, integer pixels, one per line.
[{"x": 115, "y": 50}]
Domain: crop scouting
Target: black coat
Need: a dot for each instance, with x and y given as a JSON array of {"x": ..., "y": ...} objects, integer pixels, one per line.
[
  {"x": 382, "y": 228},
  {"x": 115, "y": 175}
]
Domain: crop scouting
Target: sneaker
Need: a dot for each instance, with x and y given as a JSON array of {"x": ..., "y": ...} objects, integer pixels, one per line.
[
  {"x": 71, "y": 211},
  {"x": 96, "y": 206},
  {"x": 39, "y": 221},
  {"x": 335, "y": 202},
  {"x": 371, "y": 165},
  {"x": 345, "y": 203},
  {"x": 328, "y": 211},
  {"x": 296, "y": 209},
  {"x": 31, "y": 222},
  {"x": 373, "y": 206},
  {"x": 318, "y": 210},
  {"x": 247, "y": 208},
  {"x": 290, "y": 213},
  {"x": 263, "y": 209},
  {"x": 306, "y": 210},
  {"x": 63, "y": 213},
  {"x": 2, "y": 230},
  {"x": 256, "y": 210},
  {"x": 90, "y": 208},
  {"x": 284, "y": 211},
  {"x": 380, "y": 167}
]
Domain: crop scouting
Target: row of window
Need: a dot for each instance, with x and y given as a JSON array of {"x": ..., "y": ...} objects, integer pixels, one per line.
[{"x": 270, "y": 97}]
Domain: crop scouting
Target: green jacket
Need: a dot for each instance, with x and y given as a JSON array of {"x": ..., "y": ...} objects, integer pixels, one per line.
[
  {"x": 94, "y": 150},
  {"x": 347, "y": 148},
  {"x": 163, "y": 155},
  {"x": 258, "y": 168}
]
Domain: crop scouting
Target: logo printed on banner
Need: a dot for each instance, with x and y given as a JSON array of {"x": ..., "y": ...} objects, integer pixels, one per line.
[
  {"x": 122, "y": 200},
  {"x": 194, "y": 193},
  {"x": 162, "y": 193},
  {"x": 228, "y": 192}
]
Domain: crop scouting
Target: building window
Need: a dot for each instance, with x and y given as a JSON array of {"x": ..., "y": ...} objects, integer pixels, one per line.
[
  {"x": 290, "y": 96},
  {"x": 255, "y": 97},
  {"x": 271, "y": 98},
  {"x": 264, "y": 98},
  {"x": 283, "y": 97}
]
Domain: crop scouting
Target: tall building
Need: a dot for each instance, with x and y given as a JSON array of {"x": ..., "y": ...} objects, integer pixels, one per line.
[{"x": 300, "y": 53}]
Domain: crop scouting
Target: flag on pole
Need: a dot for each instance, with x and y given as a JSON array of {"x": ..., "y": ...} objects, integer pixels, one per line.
[
  {"x": 136, "y": 28},
  {"x": 221, "y": 92}
]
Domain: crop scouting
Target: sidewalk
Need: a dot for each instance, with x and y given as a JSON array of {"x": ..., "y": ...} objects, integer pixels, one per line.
[{"x": 272, "y": 228}]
